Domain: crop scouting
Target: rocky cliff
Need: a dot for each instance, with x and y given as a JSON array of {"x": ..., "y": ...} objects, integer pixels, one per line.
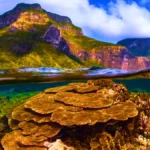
[{"x": 32, "y": 37}]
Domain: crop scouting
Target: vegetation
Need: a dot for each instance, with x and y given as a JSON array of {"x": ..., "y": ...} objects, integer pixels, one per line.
[
  {"x": 24, "y": 46},
  {"x": 9, "y": 102}
]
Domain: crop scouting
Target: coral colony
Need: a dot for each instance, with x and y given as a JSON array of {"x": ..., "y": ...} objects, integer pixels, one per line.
[{"x": 99, "y": 114}]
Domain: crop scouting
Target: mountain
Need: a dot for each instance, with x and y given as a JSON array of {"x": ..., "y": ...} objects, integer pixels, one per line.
[
  {"x": 138, "y": 46},
  {"x": 32, "y": 37}
]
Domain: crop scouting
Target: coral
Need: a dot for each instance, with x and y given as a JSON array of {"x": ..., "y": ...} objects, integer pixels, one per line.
[
  {"x": 77, "y": 112},
  {"x": 121, "y": 111},
  {"x": 103, "y": 141},
  {"x": 76, "y": 87},
  {"x": 57, "y": 145},
  {"x": 59, "y": 89},
  {"x": 143, "y": 141},
  {"x": 22, "y": 114},
  {"x": 83, "y": 87},
  {"x": 46, "y": 101},
  {"x": 36, "y": 129},
  {"x": 122, "y": 94},
  {"x": 143, "y": 102},
  {"x": 143, "y": 122},
  {"x": 15, "y": 140},
  {"x": 120, "y": 90},
  {"x": 29, "y": 133},
  {"x": 94, "y": 100},
  {"x": 104, "y": 83}
]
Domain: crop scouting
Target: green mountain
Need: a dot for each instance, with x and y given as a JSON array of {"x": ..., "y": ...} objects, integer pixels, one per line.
[{"x": 33, "y": 37}]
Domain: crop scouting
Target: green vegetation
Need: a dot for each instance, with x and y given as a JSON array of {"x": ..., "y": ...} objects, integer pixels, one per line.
[
  {"x": 25, "y": 47},
  {"x": 36, "y": 53},
  {"x": 9, "y": 102},
  {"x": 88, "y": 43}
]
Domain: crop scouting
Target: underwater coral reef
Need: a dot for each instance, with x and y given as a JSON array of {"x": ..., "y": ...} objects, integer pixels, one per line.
[{"x": 96, "y": 115}]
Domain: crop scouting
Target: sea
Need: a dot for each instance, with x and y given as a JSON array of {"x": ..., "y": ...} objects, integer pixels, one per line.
[{"x": 38, "y": 79}]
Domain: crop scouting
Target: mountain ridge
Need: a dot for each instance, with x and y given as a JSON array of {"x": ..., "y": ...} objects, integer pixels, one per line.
[
  {"x": 22, "y": 7},
  {"x": 138, "y": 46}
]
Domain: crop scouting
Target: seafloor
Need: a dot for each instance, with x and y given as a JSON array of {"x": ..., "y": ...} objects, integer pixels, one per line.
[{"x": 93, "y": 115}]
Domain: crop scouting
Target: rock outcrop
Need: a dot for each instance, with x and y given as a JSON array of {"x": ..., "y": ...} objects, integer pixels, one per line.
[
  {"x": 11, "y": 16},
  {"x": 59, "y": 18},
  {"x": 54, "y": 37}
]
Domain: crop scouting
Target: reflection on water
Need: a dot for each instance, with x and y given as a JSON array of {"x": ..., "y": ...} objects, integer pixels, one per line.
[
  {"x": 38, "y": 79},
  {"x": 38, "y": 75}
]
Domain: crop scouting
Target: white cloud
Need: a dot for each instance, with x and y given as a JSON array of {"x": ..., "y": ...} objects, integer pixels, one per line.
[{"x": 123, "y": 20}]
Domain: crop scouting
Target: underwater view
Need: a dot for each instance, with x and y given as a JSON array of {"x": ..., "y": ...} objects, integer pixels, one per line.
[
  {"x": 75, "y": 75},
  {"x": 75, "y": 109}
]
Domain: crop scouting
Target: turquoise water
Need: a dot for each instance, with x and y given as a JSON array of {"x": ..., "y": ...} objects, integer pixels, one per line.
[
  {"x": 136, "y": 85},
  {"x": 37, "y": 79},
  {"x": 132, "y": 85}
]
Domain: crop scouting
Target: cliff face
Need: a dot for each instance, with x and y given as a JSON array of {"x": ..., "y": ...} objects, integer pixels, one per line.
[
  {"x": 32, "y": 37},
  {"x": 140, "y": 48},
  {"x": 122, "y": 59}
]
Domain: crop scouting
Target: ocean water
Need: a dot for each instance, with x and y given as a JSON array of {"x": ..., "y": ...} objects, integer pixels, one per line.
[
  {"x": 16, "y": 86},
  {"x": 38, "y": 79}
]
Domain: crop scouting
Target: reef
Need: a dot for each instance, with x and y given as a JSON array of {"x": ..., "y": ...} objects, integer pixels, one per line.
[{"x": 97, "y": 115}]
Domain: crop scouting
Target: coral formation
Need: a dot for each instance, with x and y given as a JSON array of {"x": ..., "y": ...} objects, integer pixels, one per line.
[
  {"x": 121, "y": 111},
  {"x": 57, "y": 145},
  {"x": 96, "y": 115}
]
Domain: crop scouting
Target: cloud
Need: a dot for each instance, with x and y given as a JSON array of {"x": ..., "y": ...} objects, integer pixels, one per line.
[{"x": 120, "y": 20}]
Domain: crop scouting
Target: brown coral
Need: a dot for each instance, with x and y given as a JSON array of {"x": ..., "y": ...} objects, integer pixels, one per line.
[
  {"x": 45, "y": 104},
  {"x": 92, "y": 100},
  {"x": 22, "y": 114},
  {"x": 36, "y": 129},
  {"x": 107, "y": 142},
  {"x": 76, "y": 87},
  {"x": 121, "y": 111},
  {"x": 43, "y": 116},
  {"x": 15, "y": 140}
]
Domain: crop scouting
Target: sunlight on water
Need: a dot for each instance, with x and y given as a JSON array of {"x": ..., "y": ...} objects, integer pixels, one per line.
[{"x": 32, "y": 75}]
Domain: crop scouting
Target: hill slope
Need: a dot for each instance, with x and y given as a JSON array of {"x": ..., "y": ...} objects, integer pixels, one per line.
[{"x": 32, "y": 37}]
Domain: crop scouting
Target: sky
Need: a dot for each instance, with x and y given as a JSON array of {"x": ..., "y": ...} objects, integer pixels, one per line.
[{"x": 104, "y": 20}]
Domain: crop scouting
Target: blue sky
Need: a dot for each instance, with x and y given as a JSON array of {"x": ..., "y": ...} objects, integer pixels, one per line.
[{"x": 105, "y": 20}]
